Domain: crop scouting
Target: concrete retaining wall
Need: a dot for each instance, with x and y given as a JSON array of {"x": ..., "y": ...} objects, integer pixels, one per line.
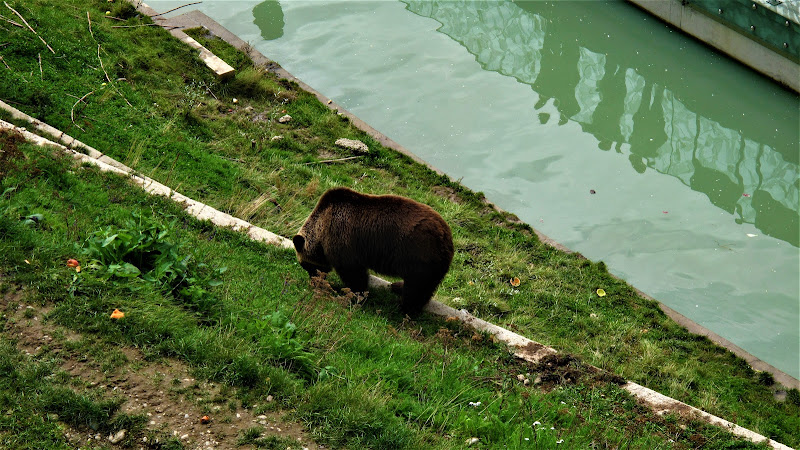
[{"x": 716, "y": 32}]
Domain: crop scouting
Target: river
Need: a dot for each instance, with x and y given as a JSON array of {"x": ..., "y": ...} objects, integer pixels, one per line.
[{"x": 600, "y": 126}]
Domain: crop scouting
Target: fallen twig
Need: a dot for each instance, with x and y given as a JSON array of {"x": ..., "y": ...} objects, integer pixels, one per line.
[
  {"x": 72, "y": 111},
  {"x": 90, "y": 24},
  {"x": 30, "y": 27},
  {"x": 4, "y": 62},
  {"x": 11, "y": 21},
  {"x": 101, "y": 64},
  {"x": 109, "y": 78},
  {"x": 325, "y": 161},
  {"x": 136, "y": 26},
  {"x": 41, "y": 72},
  {"x": 173, "y": 9}
]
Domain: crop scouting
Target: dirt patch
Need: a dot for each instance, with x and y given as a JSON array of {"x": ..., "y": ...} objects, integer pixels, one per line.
[
  {"x": 448, "y": 193},
  {"x": 555, "y": 370},
  {"x": 175, "y": 404},
  {"x": 324, "y": 154},
  {"x": 561, "y": 369},
  {"x": 9, "y": 152},
  {"x": 533, "y": 351}
]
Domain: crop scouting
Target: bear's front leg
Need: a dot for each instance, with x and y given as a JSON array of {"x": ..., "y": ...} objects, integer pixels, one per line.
[
  {"x": 397, "y": 287},
  {"x": 356, "y": 278}
]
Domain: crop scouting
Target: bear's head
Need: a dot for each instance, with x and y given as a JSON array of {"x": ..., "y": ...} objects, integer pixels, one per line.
[{"x": 310, "y": 254}]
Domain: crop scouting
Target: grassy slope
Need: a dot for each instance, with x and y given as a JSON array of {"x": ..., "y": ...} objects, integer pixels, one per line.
[
  {"x": 183, "y": 129},
  {"x": 361, "y": 376}
]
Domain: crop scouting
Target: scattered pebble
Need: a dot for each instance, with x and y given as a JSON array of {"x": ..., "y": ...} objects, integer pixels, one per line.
[
  {"x": 117, "y": 437},
  {"x": 285, "y": 119}
]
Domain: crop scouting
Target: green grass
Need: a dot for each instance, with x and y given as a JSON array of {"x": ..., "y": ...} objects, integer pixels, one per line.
[
  {"x": 357, "y": 374},
  {"x": 398, "y": 384}
]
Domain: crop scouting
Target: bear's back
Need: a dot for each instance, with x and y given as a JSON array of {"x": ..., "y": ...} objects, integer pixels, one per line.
[{"x": 390, "y": 232}]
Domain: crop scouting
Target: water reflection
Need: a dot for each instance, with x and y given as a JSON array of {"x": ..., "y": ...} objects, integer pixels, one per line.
[
  {"x": 268, "y": 17},
  {"x": 639, "y": 104}
]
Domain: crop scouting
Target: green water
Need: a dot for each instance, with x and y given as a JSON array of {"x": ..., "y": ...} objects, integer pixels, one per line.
[{"x": 595, "y": 123}]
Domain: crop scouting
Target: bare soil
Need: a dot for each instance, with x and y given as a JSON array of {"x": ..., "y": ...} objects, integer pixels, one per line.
[{"x": 164, "y": 391}]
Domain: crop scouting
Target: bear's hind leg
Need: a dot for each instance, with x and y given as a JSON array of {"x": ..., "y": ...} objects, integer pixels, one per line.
[{"x": 417, "y": 291}]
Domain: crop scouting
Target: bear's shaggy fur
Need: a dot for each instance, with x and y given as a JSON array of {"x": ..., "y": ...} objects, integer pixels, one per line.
[{"x": 396, "y": 236}]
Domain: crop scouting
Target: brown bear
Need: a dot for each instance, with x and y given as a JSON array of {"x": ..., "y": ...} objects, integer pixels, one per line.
[{"x": 391, "y": 235}]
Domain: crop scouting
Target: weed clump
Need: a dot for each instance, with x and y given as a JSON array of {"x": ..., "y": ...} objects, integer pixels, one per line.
[
  {"x": 766, "y": 378},
  {"x": 252, "y": 83},
  {"x": 124, "y": 10},
  {"x": 793, "y": 396},
  {"x": 142, "y": 249}
]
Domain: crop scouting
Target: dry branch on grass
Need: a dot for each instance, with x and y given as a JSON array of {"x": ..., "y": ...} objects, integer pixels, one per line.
[
  {"x": 90, "y": 24},
  {"x": 326, "y": 161},
  {"x": 101, "y": 64},
  {"x": 137, "y": 26},
  {"x": 29, "y": 27},
  {"x": 173, "y": 9},
  {"x": 11, "y": 21},
  {"x": 109, "y": 78},
  {"x": 72, "y": 111}
]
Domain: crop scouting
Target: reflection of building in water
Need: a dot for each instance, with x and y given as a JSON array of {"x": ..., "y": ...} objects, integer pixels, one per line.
[{"x": 738, "y": 171}]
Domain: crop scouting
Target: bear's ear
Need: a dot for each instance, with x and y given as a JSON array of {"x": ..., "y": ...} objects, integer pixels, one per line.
[{"x": 299, "y": 242}]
